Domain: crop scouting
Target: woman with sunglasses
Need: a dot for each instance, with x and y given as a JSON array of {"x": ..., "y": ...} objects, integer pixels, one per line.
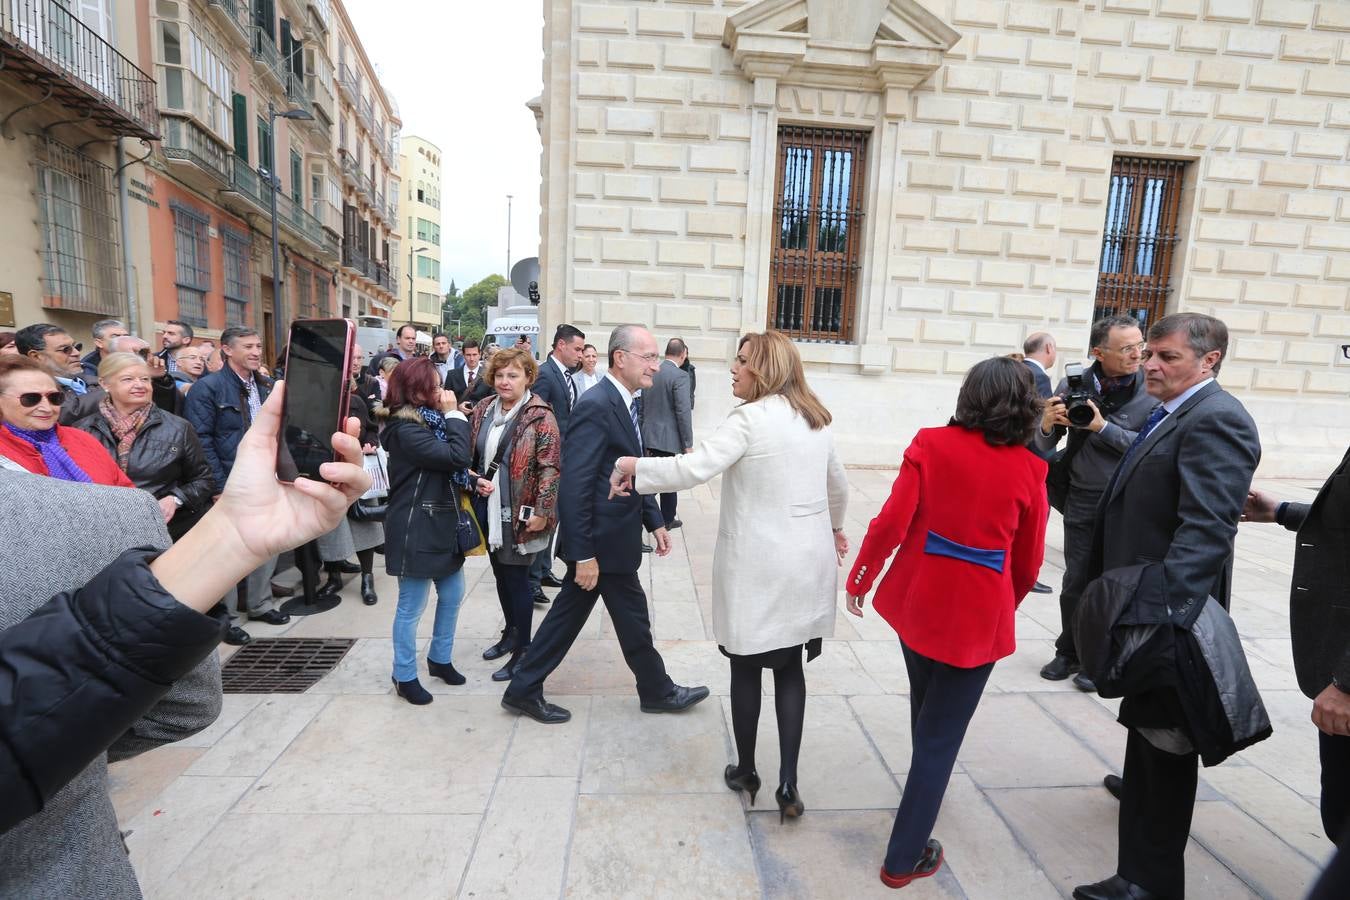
[
  {"x": 157, "y": 450},
  {"x": 31, "y": 439}
]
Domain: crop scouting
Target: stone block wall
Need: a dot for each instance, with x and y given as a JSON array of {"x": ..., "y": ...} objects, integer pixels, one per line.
[{"x": 999, "y": 203}]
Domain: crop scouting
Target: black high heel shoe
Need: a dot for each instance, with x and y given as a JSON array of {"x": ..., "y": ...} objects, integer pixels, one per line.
[
  {"x": 790, "y": 804},
  {"x": 368, "y": 595},
  {"x": 747, "y": 782}
]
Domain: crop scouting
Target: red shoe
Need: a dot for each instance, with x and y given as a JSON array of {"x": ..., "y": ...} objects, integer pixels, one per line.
[{"x": 929, "y": 863}]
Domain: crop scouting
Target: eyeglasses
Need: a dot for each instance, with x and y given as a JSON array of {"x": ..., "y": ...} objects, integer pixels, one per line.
[
  {"x": 645, "y": 357},
  {"x": 69, "y": 349},
  {"x": 1127, "y": 348},
  {"x": 33, "y": 398}
]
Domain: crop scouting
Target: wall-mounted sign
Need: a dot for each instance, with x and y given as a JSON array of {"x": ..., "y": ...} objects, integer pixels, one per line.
[
  {"x": 139, "y": 190},
  {"x": 7, "y": 308}
]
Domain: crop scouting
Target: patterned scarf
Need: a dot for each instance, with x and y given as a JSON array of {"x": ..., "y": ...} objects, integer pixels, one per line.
[
  {"x": 436, "y": 422},
  {"x": 58, "y": 461},
  {"x": 124, "y": 428}
]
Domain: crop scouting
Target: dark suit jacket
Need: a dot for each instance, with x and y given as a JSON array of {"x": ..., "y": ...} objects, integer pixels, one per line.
[
  {"x": 552, "y": 387},
  {"x": 1177, "y": 501},
  {"x": 591, "y": 526},
  {"x": 455, "y": 381},
  {"x": 666, "y": 420},
  {"x": 1319, "y": 598},
  {"x": 1043, "y": 385}
]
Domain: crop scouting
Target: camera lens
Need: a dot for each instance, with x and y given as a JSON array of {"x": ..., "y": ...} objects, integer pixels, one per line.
[{"x": 1080, "y": 414}]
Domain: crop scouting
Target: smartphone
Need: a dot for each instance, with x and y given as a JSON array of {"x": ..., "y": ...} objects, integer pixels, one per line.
[
  {"x": 526, "y": 513},
  {"x": 318, "y": 372}
]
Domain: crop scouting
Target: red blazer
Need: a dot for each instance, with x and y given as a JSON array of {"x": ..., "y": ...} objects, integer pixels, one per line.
[
  {"x": 969, "y": 519},
  {"x": 84, "y": 448}
]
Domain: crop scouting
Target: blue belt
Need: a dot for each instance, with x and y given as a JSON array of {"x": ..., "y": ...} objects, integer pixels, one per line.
[{"x": 938, "y": 545}]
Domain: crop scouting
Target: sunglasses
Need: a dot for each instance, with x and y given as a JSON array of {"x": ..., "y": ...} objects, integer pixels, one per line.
[{"x": 33, "y": 398}]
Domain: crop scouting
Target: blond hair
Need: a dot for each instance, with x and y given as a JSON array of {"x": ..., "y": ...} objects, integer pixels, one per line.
[
  {"x": 116, "y": 362},
  {"x": 775, "y": 367},
  {"x": 512, "y": 356}
]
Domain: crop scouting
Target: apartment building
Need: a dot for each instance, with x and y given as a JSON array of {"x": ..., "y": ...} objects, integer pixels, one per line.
[
  {"x": 421, "y": 299},
  {"x": 908, "y": 187},
  {"x": 366, "y": 148},
  {"x": 73, "y": 104}
]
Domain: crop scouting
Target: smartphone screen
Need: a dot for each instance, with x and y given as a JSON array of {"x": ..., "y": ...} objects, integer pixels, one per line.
[{"x": 318, "y": 364}]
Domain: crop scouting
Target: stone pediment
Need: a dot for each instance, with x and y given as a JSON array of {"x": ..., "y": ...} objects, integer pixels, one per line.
[{"x": 872, "y": 43}]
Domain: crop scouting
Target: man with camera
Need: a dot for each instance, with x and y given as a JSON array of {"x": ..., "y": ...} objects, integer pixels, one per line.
[{"x": 1101, "y": 408}]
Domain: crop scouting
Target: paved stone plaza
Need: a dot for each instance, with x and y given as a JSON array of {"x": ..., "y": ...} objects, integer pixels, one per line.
[{"x": 348, "y": 791}]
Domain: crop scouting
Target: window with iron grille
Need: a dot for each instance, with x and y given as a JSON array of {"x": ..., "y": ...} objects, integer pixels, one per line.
[
  {"x": 320, "y": 294},
  {"x": 238, "y": 279},
  {"x": 1142, "y": 204},
  {"x": 304, "y": 296},
  {"x": 81, "y": 248},
  {"x": 192, "y": 251},
  {"x": 813, "y": 284}
]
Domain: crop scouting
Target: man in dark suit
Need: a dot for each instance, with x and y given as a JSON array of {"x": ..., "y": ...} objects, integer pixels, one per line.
[
  {"x": 1039, "y": 353},
  {"x": 600, "y": 539},
  {"x": 556, "y": 384},
  {"x": 667, "y": 425},
  {"x": 1174, "y": 499},
  {"x": 467, "y": 381},
  {"x": 1319, "y": 628}
]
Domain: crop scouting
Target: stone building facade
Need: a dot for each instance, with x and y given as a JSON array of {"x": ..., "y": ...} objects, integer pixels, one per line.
[
  {"x": 1015, "y": 166},
  {"x": 420, "y": 300}
]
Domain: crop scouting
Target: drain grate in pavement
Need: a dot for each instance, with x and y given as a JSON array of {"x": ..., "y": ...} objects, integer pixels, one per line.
[{"x": 282, "y": 665}]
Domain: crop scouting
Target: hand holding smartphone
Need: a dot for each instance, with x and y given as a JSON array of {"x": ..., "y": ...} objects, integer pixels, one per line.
[{"x": 318, "y": 363}]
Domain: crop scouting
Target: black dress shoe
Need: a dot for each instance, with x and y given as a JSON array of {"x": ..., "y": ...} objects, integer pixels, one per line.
[
  {"x": 1113, "y": 888},
  {"x": 508, "y": 671},
  {"x": 540, "y": 598},
  {"x": 1059, "y": 668},
  {"x": 1084, "y": 683},
  {"x": 331, "y": 588},
  {"x": 280, "y": 590},
  {"x": 502, "y": 647},
  {"x": 550, "y": 580},
  {"x": 538, "y": 709},
  {"x": 673, "y": 524},
  {"x": 1113, "y": 785},
  {"x": 237, "y": 637},
  {"x": 346, "y": 568},
  {"x": 1039, "y": 588},
  {"x": 679, "y": 699},
  {"x": 368, "y": 595},
  {"x": 271, "y": 617}
]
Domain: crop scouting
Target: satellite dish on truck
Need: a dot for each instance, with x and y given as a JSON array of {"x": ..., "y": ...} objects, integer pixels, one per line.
[{"x": 525, "y": 279}]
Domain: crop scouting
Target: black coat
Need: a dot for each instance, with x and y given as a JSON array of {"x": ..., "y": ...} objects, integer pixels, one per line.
[
  {"x": 591, "y": 525},
  {"x": 166, "y": 459},
  {"x": 88, "y": 664},
  {"x": 1319, "y": 597},
  {"x": 420, "y": 539},
  {"x": 482, "y": 388}
]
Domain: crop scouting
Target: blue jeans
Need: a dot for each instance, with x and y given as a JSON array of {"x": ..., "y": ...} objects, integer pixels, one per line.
[{"x": 412, "y": 599}]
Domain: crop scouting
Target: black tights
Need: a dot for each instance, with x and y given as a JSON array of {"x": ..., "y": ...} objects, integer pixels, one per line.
[{"x": 789, "y": 685}]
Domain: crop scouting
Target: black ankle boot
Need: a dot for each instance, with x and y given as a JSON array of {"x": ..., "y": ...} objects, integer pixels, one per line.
[
  {"x": 333, "y": 586},
  {"x": 445, "y": 672},
  {"x": 368, "y": 596},
  {"x": 412, "y": 691}
]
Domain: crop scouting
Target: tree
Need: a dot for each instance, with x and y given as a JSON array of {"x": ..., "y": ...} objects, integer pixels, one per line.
[{"x": 468, "y": 306}]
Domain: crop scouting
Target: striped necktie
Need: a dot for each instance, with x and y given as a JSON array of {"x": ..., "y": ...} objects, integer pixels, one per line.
[
  {"x": 571, "y": 390},
  {"x": 633, "y": 414}
]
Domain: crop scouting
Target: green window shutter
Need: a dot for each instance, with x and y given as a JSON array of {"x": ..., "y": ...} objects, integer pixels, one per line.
[
  {"x": 297, "y": 178},
  {"x": 241, "y": 127}
]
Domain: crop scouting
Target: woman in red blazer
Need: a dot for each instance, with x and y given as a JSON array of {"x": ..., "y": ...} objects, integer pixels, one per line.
[
  {"x": 968, "y": 513},
  {"x": 30, "y": 439}
]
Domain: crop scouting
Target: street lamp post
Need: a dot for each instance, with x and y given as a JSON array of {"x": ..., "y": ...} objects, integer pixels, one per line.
[
  {"x": 412, "y": 261},
  {"x": 274, "y": 185}
]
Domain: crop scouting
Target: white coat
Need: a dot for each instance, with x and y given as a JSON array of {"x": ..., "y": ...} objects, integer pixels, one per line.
[{"x": 774, "y": 568}]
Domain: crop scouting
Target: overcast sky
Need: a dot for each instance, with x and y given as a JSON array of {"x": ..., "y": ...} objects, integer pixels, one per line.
[{"x": 462, "y": 73}]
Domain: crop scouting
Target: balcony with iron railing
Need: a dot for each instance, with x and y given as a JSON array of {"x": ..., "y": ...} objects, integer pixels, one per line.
[
  {"x": 367, "y": 112},
  {"x": 372, "y": 270},
  {"x": 351, "y": 88},
  {"x": 297, "y": 92},
  {"x": 195, "y": 154},
  {"x": 366, "y": 187},
  {"x": 378, "y": 208},
  {"x": 320, "y": 84},
  {"x": 351, "y": 170},
  {"x": 252, "y": 186},
  {"x": 322, "y": 12},
  {"x": 44, "y": 43},
  {"x": 234, "y": 14},
  {"x": 266, "y": 57},
  {"x": 391, "y": 209}
]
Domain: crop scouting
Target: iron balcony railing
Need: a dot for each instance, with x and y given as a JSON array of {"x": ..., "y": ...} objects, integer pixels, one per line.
[
  {"x": 391, "y": 209},
  {"x": 377, "y": 205},
  {"x": 320, "y": 84},
  {"x": 374, "y": 271},
  {"x": 186, "y": 141},
  {"x": 42, "y": 41},
  {"x": 298, "y": 92},
  {"x": 234, "y": 13},
  {"x": 366, "y": 187},
  {"x": 351, "y": 89},
  {"x": 351, "y": 170},
  {"x": 266, "y": 55},
  {"x": 290, "y": 215},
  {"x": 368, "y": 114}
]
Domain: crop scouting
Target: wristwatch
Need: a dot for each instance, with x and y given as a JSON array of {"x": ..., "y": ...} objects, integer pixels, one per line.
[{"x": 177, "y": 499}]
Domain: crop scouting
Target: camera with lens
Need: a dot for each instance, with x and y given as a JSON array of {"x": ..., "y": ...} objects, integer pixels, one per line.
[{"x": 1076, "y": 406}]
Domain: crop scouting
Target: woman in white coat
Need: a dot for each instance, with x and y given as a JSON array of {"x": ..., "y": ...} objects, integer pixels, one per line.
[{"x": 783, "y": 496}]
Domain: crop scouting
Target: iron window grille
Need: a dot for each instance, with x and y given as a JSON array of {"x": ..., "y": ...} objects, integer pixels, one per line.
[
  {"x": 818, "y": 213},
  {"x": 238, "y": 248},
  {"x": 320, "y": 294},
  {"x": 304, "y": 296},
  {"x": 192, "y": 249},
  {"x": 81, "y": 247},
  {"x": 1142, "y": 205}
]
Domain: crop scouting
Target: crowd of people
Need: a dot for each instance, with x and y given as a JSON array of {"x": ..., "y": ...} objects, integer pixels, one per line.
[{"x": 488, "y": 451}]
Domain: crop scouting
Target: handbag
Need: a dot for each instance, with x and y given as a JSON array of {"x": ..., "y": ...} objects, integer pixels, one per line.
[
  {"x": 374, "y": 503},
  {"x": 469, "y": 534}
]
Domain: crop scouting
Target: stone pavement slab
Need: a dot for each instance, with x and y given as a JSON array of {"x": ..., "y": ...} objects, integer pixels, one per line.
[{"x": 347, "y": 791}]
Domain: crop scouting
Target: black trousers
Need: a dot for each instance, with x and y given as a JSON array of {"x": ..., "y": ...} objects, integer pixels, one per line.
[
  {"x": 1156, "y": 803},
  {"x": 668, "y": 501},
  {"x": 1080, "y": 510},
  {"x": 942, "y": 700},
  {"x": 1335, "y": 752},
  {"x": 515, "y": 596},
  {"x": 627, "y": 606}
]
